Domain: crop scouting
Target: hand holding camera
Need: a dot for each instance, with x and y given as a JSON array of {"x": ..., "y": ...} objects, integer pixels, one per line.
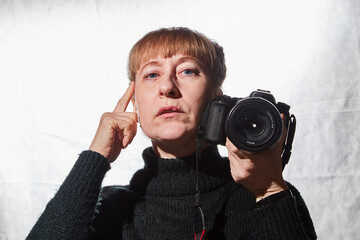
[
  {"x": 259, "y": 172},
  {"x": 258, "y": 134}
]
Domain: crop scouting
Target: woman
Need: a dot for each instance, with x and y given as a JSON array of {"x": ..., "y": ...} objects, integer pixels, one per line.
[{"x": 174, "y": 73}]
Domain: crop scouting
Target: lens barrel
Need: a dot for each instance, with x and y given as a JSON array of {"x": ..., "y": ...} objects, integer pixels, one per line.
[{"x": 254, "y": 124}]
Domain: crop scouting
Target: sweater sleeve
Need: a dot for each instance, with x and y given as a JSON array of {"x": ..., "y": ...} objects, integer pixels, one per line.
[
  {"x": 289, "y": 218},
  {"x": 68, "y": 215}
]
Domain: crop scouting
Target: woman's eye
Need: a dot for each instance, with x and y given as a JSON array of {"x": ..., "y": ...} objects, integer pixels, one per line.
[
  {"x": 152, "y": 76},
  {"x": 189, "y": 72}
]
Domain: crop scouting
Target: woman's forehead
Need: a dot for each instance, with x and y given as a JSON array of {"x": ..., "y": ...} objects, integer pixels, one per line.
[
  {"x": 158, "y": 60},
  {"x": 177, "y": 56}
]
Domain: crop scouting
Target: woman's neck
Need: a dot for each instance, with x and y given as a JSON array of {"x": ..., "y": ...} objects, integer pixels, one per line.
[
  {"x": 171, "y": 150},
  {"x": 175, "y": 150}
]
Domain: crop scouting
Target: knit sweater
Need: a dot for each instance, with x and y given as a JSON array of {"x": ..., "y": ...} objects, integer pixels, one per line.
[{"x": 159, "y": 204}]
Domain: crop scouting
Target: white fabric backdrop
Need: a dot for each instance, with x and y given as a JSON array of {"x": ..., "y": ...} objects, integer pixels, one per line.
[{"x": 63, "y": 63}]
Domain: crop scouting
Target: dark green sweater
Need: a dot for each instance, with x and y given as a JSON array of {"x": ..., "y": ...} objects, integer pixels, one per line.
[{"x": 159, "y": 203}]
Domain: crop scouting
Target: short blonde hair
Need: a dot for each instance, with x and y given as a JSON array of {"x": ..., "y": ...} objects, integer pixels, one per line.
[{"x": 167, "y": 42}]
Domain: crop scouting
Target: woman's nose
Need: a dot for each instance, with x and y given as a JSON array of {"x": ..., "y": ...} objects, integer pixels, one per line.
[{"x": 168, "y": 86}]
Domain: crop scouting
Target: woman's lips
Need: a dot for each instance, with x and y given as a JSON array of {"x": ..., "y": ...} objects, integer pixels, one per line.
[{"x": 168, "y": 112}]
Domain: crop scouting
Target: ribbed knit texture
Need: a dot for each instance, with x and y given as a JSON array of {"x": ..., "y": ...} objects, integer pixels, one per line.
[
  {"x": 159, "y": 204},
  {"x": 68, "y": 214}
]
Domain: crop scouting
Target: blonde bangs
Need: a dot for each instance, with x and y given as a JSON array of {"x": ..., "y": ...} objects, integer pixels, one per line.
[{"x": 171, "y": 41}]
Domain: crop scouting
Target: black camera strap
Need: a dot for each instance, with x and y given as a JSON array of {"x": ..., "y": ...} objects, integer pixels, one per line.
[
  {"x": 287, "y": 148},
  {"x": 290, "y": 124},
  {"x": 199, "y": 220}
]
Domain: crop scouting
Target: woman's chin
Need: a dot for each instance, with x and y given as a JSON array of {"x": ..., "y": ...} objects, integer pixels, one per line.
[{"x": 173, "y": 135}]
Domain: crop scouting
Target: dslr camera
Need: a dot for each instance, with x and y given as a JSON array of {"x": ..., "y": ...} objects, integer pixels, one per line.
[{"x": 253, "y": 123}]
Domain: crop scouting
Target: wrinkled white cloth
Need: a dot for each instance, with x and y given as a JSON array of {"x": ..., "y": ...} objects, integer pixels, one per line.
[{"x": 63, "y": 63}]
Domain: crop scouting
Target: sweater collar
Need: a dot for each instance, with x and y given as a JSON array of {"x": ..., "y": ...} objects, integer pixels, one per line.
[{"x": 176, "y": 177}]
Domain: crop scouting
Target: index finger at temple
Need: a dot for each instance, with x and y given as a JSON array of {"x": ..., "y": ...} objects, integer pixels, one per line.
[{"x": 125, "y": 99}]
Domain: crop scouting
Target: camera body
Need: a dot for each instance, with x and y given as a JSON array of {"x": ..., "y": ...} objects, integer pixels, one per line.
[{"x": 253, "y": 123}]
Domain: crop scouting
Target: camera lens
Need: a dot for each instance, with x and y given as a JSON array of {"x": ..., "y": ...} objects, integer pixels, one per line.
[{"x": 254, "y": 124}]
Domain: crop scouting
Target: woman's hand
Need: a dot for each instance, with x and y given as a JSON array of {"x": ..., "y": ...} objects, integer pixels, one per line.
[
  {"x": 116, "y": 129},
  {"x": 261, "y": 173}
]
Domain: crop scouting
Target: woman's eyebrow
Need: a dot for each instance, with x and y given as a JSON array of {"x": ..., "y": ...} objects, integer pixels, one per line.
[
  {"x": 184, "y": 59},
  {"x": 192, "y": 60},
  {"x": 151, "y": 63}
]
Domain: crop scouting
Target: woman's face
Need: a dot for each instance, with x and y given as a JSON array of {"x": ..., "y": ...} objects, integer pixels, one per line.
[{"x": 171, "y": 94}]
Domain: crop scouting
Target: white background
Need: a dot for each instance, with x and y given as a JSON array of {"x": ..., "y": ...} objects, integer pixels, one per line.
[{"x": 63, "y": 63}]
